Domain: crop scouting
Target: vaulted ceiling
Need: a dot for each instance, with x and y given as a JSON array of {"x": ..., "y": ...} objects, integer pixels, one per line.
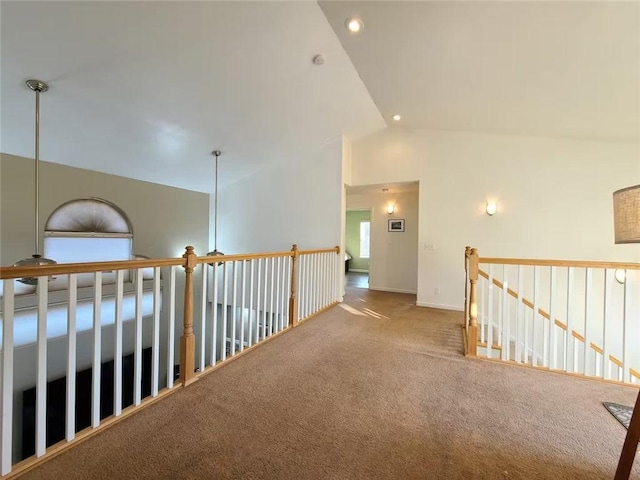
[
  {"x": 553, "y": 68},
  {"x": 148, "y": 89}
]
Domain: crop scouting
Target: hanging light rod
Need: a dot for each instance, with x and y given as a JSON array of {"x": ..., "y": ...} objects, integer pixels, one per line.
[
  {"x": 36, "y": 259},
  {"x": 215, "y": 252}
]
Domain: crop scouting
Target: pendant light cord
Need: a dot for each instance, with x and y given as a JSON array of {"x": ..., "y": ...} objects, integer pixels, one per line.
[
  {"x": 37, "y": 194},
  {"x": 215, "y": 222}
]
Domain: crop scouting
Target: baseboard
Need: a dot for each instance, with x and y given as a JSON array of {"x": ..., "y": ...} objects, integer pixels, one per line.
[
  {"x": 440, "y": 306},
  {"x": 358, "y": 270},
  {"x": 392, "y": 290}
]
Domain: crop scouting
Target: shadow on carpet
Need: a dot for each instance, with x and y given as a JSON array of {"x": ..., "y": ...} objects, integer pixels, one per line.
[{"x": 621, "y": 412}]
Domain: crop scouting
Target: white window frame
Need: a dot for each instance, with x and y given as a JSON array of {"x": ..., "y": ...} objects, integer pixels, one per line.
[{"x": 368, "y": 244}]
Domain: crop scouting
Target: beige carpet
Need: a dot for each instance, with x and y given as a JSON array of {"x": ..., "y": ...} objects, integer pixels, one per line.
[{"x": 348, "y": 395}]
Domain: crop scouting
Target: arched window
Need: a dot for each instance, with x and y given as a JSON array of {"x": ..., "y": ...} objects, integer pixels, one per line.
[{"x": 88, "y": 230}]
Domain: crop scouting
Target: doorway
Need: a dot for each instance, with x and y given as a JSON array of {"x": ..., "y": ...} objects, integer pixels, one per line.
[{"x": 358, "y": 248}]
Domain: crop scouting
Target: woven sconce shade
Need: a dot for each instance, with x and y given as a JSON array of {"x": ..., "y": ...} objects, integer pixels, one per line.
[{"x": 626, "y": 214}]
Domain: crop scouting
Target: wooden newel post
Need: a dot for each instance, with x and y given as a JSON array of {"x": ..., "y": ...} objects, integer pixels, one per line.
[
  {"x": 467, "y": 252},
  {"x": 472, "y": 330},
  {"x": 188, "y": 340},
  {"x": 293, "y": 298}
]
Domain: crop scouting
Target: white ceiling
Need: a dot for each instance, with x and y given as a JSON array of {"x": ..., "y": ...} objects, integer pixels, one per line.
[
  {"x": 148, "y": 89},
  {"x": 569, "y": 69}
]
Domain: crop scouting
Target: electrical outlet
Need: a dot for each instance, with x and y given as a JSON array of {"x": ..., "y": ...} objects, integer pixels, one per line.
[{"x": 436, "y": 290}]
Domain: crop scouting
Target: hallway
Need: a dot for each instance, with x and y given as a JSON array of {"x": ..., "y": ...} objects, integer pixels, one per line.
[{"x": 375, "y": 388}]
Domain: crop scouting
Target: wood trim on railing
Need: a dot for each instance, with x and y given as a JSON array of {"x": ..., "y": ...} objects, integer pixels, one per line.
[
  {"x": 240, "y": 257},
  {"x": 615, "y": 361},
  {"x": 67, "y": 268},
  {"x": 634, "y": 373},
  {"x": 253, "y": 256},
  {"x": 321, "y": 250},
  {"x": 560, "y": 263},
  {"x": 577, "y": 336},
  {"x": 596, "y": 348}
]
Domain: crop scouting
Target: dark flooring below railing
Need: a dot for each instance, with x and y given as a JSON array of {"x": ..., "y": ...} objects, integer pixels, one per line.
[{"x": 375, "y": 388}]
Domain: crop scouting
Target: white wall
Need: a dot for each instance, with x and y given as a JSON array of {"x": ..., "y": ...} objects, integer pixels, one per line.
[
  {"x": 554, "y": 197},
  {"x": 298, "y": 201},
  {"x": 393, "y": 265}
]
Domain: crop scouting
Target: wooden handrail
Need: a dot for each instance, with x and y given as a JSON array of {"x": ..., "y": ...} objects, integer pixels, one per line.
[
  {"x": 560, "y": 263},
  {"x": 68, "y": 268},
  {"x": 321, "y": 250},
  {"x": 92, "y": 267},
  {"x": 240, "y": 257},
  {"x": 254, "y": 256}
]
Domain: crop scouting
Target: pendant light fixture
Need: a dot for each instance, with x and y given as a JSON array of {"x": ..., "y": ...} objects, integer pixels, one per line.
[
  {"x": 215, "y": 251},
  {"x": 36, "y": 259}
]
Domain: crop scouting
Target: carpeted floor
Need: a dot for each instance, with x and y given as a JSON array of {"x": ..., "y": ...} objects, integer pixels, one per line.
[{"x": 376, "y": 388}]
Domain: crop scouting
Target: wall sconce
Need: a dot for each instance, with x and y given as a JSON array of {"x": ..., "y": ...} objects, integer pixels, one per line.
[
  {"x": 621, "y": 275},
  {"x": 390, "y": 208},
  {"x": 491, "y": 208}
]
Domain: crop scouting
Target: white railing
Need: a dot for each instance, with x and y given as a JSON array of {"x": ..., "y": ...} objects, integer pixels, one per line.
[
  {"x": 71, "y": 353},
  {"x": 102, "y": 348},
  {"x": 578, "y": 317}
]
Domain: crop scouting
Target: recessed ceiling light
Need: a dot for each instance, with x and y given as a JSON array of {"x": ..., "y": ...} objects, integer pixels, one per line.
[
  {"x": 397, "y": 117},
  {"x": 354, "y": 24}
]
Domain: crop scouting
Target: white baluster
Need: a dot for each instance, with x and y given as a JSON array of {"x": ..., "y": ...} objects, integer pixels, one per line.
[
  {"x": 569, "y": 345},
  {"x": 490, "y": 315},
  {"x": 505, "y": 320},
  {"x": 234, "y": 308},
  {"x": 626, "y": 334},
  {"x": 553, "y": 331},
  {"x": 278, "y": 321},
  {"x": 214, "y": 313},
  {"x": 587, "y": 342},
  {"x": 72, "y": 302},
  {"x": 203, "y": 318},
  {"x": 6, "y": 380},
  {"x": 97, "y": 350},
  {"x": 242, "y": 303},
  {"x": 251, "y": 309},
  {"x": 482, "y": 308},
  {"x": 41, "y": 378},
  {"x": 155, "y": 364},
  {"x": 536, "y": 290},
  {"x": 172, "y": 326},
  {"x": 606, "y": 372},
  {"x": 520, "y": 319},
  {"x": 271, "y": 285},
  {"x": 137, "y": 356},
  {"x": 225, "y": 289},
  {"x": 265, "y": 298},
  {"x": 258, "y": 275},
  {"x": 117, "y": 359}
]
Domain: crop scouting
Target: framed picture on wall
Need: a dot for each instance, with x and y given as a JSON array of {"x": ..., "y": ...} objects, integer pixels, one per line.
[{"x": 396, "y": 224}]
